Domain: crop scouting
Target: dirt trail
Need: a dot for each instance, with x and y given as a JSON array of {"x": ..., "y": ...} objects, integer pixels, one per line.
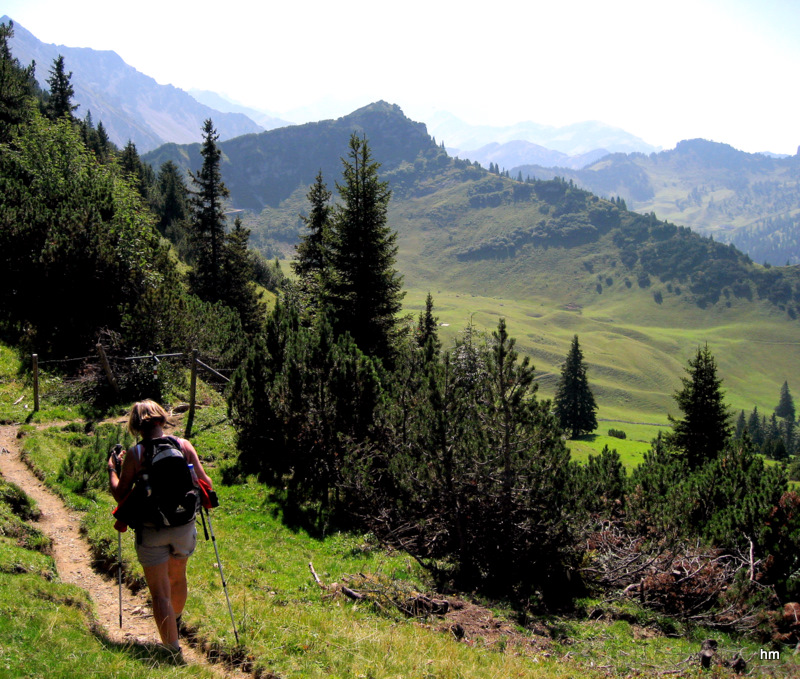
[{"x": 75, "y": 564}]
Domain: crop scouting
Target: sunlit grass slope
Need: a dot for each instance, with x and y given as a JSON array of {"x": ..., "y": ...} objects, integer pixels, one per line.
[{"x": 636, "y": 347}]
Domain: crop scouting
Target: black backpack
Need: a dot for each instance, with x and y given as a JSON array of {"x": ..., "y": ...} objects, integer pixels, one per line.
[{"x": 169, "y": 494}]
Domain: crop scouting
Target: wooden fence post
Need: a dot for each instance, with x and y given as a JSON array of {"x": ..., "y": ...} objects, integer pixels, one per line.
[
  {"x": 192, "y": 396},
  {"x": 107, "y": 367},
  {"x": 35, "y": 358}
]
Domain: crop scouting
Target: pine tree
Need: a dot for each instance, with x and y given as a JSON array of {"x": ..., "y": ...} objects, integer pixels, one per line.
[
  {"x": 574, "y": 402},
  {"x": 59, "y": 102},
  {"x": 15, "y": 85},
  {"x": 427, "y": 334},
  {"x": 207, "y": 219},
  {"x": 102, "y": 143},
  {"x": 785, "y": 408},
  {"x": 754, "y": 428},
  {"x": 741, "y": 426},
  {"x": 363, "y": 290},
  {"x": 705, "y": 427},
  {"x": 312, "y": 259},
  {"x": 238, "y": 290},
  {"x": 172, "y": 201}
]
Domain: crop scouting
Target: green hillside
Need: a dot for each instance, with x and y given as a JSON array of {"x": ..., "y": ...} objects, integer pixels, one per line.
[
  {"x": 749, "y": 199},
  {"x": 554, "y": 260},
  {"x": 642, "y": 294}
]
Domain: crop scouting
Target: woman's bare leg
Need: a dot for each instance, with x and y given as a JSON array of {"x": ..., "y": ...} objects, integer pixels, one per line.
[
  {"x": 178, "y": 588},
  {"x": 158, "y": 581}
]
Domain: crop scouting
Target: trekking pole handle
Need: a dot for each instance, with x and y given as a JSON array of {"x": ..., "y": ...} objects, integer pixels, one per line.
[{"x": 117, "y": 453}]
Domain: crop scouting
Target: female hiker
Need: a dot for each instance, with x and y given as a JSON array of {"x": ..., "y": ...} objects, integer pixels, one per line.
[{"x": 163, "y": 551}]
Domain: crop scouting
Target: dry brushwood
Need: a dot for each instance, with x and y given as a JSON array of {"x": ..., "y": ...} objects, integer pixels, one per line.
[
  {"x": 678, "y": 578},
  {"x": 384, "y": 594}
]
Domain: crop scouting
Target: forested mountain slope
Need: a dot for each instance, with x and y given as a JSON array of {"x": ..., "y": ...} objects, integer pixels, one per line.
[{"x": 749, "y": 199}]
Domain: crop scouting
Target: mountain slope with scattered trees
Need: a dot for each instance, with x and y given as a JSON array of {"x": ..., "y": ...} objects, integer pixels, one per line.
[{"x": 749, "y": 199}]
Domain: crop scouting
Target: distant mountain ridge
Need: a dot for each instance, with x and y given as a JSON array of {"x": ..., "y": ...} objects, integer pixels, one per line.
[
  {"x": 516, "y": 153},
  {"x": 264, "y": 169},
  {"x": 131, "y": 105},
  {"x": 461, "y": 138},
  {"x": 749, "y": 199},
  {"x": 219, "y": 103}
]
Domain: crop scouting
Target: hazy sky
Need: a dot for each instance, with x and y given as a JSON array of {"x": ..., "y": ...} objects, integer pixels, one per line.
[{"x": 725, "y": 70}]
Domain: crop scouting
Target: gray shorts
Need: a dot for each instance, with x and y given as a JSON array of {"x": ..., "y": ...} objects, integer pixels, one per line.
[{"x": 157, "y": 546}]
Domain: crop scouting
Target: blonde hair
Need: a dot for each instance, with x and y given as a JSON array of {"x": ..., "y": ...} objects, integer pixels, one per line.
[{"x": 145, "y": 416}]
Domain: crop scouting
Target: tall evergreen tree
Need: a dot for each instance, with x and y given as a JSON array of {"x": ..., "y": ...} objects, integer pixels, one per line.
[
  {"x": 705, "y": 427},
  {"x": 754, "y": 428},
  {"x": 427, "y": 333},
  {"x": 207, "y": 219},
  {"x": 172, "y": 201},
  {"x": 59, "y": 102},
  {"x": 741, "y": 426},
  {"x": 312, "y": 259},
  {"x": 364, "y": 289},
  {"x": 15, "y": 84},
  {"x": 574, "y": 402},
  {"x": 238, "y": 288},
  {"x": 102, "y": 144},
  {"x": 785, "y": 407}
]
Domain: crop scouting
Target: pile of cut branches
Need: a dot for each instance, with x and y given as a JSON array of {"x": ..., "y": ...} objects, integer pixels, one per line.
[
  {"x": 710, "y": 586},
  {"x": 384, "y": 594}
]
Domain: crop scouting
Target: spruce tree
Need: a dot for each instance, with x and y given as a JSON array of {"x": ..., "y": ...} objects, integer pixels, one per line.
[
  {"x": 705, "y": 427},
  {"x": 363, "y": 290},
  {"x": 15, "y": 85},
  {"x": 59, "y": 102},
  {"x": 172, "y": 201},
  {"x": 754, "y": 428},
  {"x": 785, "y": 408},
  {"x": 741, "y": 426},
  {"x": 574, "y": 402},
  {"x": 427, "y": 334},
  {"x": 310, "y": 264},
  {"x": 238, "y": 288},
  {"x": 207, "y": 219}
]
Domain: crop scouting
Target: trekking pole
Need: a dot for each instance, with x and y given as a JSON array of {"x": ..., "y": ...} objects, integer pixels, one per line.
[
  {"x": 118, "y": 466},
  {"x": 221, "y": 574},
  {"x": 119, "y": 574}
]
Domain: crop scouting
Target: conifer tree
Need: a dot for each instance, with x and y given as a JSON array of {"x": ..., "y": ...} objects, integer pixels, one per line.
[
  {"x": 574, "y": 402},
  {"x": 102, "y": 143},
  {"x": 364, "y": 289},
  {"x": 427, "y": 333},
  {"x": 705, "y": 427},
  {"x": 15, "y": 85},
  {"x": 59, "y": 102},
  {"x": 312, "y": 258},
  {"x": 238, "y": 288},
  {"x": 172, "y": 201},
  {"x": 207, "y": 219},
  {"x": 741, "y": 426},
  {"x": 754, "y": 428},
  {"x": 785, "y": 407}
]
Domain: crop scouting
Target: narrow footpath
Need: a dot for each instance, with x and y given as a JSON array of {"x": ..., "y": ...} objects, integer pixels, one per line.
[{"x": 74, "y": 563}]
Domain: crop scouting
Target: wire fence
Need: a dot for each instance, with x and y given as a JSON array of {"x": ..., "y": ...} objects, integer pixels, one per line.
[{"x": 102, "y": 366}]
